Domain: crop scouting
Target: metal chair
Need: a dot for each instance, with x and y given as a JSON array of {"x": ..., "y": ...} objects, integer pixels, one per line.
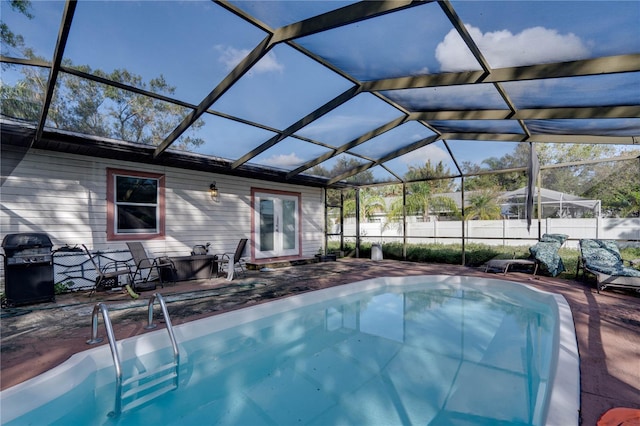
[
  {"x": 145, "y": 265},
  {"x": 602, "y": 258},
  {"x": 108, "y": 275},
  {"x": 234, "y": 263}
]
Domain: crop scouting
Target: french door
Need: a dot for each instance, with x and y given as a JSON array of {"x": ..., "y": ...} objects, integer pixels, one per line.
[{"x": 276, "y": 224}]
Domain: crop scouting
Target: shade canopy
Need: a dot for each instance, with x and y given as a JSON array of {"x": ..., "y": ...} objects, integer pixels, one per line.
[{"x": 329, "y": 93}]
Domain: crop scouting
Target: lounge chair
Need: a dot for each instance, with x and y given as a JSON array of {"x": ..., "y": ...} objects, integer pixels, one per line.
[
  {"x": 145, "y": 265},
  {"x": 602, "y": 259},
  {"x": 544, "y": 253},
  {"x": 503, "y": 265},
  {"x": 231, "y": 264},
  {"x": 107, "y": 276}
]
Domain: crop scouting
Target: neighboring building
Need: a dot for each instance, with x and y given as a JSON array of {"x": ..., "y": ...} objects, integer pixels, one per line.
[
  {"x": 553, "y": 203},
  {"x": 512, "y": 203}
]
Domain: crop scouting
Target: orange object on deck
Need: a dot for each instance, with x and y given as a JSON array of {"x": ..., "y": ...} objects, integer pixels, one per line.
[{"x": 620, "y": 417}]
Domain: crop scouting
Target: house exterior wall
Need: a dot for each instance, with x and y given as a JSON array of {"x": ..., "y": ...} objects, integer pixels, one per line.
[{"x": 64, "y": 195}]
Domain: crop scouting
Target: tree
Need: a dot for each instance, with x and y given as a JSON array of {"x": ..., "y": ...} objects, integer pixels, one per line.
[
  {"x": 88, "y": 107},
  {"x": 143, "y": 119},
  {"x": 575, "y": 179},
  {"x": 617, "y": 185},
  {"x": 483, "y": 205},
  {"x": 506, "y": 181},
  {"x": 371, "y": 202},
  {"x": 422, "y": 198},
  {"x": 344, "y": 165},
  {"x": 7, "y": 36},
  {"x": 341, "y": 166},
  {"x": 21, "y": 102},
  {"x": 82, "y": 100}
]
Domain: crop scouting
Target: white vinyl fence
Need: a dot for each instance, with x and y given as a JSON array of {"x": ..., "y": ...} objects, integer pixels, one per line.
[{"x": 508, "y": 232}]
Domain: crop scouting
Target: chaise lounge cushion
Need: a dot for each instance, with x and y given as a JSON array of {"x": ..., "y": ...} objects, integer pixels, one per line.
[
  {"x": 550, "y": 238},
  {"x": 603, "y": 256},
  {"x": 546, "y": 252}
]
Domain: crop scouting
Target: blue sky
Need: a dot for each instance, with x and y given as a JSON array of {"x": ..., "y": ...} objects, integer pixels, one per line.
[{"x": 194, "y": 44}]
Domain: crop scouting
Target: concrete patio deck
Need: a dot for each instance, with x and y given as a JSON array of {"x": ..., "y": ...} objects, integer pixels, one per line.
[{"x": 35, "y": 338}]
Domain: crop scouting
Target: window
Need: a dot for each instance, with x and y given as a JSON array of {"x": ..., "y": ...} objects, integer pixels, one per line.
[{"x": 135, "y": 205}]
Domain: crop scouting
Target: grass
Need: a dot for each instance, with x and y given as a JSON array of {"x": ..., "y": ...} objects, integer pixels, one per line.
[{"x": 475, "y": 254}]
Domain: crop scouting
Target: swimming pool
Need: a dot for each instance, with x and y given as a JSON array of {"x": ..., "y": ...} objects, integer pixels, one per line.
[{"x": 427, "y": 350}]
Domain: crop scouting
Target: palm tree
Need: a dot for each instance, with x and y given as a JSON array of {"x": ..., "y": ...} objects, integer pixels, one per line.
[
  {"x": 370, "y": 203},
  {"x": 483, "y": 205},
  {"x": 421, "y": 200}
]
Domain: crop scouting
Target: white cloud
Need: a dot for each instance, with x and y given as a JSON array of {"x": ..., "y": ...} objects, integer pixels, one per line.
[
  {"x": 421, "y": 155},
  {"x": 231, "y": 57},
  {"x": 327, "y": 125},
  {"x": 283, "y": 160},
  {"x": 338, "y": 129},
  {"x": 268, "y": 63},
  {"x": 505, "y": 49}
]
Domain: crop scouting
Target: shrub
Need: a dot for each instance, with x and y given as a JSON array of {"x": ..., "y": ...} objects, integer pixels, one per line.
[
  {"x": 60, "y": 288},
  {"x": 475, "y": 254}
]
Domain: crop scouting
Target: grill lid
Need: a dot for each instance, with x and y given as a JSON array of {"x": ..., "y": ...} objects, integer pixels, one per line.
[{"x": 26, "y": 240}]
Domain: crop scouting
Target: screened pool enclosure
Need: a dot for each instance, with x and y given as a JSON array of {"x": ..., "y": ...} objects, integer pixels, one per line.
[{"x": 418, "y": 118}]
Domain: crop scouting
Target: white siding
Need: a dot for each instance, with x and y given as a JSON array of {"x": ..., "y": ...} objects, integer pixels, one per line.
[{"x": 65, "y": 196}]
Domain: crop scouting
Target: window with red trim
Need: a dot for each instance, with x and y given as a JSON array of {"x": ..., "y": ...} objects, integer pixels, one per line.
[{"x": 135, "y": 205}]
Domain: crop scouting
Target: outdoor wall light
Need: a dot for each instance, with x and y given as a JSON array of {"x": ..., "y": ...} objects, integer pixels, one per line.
[{"x": 213, "y": 191}]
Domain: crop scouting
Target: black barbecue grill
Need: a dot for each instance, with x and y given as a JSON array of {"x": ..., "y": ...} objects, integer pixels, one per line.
[{"x": 28, "y": 268}]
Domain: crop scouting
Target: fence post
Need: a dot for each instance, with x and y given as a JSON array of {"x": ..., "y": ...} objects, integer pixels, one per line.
[
  {"x": 504, "y": 232},
  {"x": 435, "y": 231},
  {"x": 357, "y": 223},
  {"x": 546, "y": 226}
]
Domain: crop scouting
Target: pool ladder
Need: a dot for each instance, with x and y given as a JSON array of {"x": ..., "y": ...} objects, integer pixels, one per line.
[{"x": 145, "y": 386}]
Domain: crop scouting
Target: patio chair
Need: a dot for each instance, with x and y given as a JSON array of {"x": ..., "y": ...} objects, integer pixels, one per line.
[
  {"x": 145, "y": 265},
  {"x": 108, "y": 275},
  {"x": 503, "y": 265},
  {"x": 542, "y": 254},
  {"x": 232, "y": 262},
  {"x": 602, "y": 259}
]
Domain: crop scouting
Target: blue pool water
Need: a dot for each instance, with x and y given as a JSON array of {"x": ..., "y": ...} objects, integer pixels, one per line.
[{"x": 417, "y": 350}]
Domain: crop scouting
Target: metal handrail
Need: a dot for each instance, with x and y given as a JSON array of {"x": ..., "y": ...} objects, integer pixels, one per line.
[
  {"x": 101, "y": 307},
  {"x": 167, "y": 320}
]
